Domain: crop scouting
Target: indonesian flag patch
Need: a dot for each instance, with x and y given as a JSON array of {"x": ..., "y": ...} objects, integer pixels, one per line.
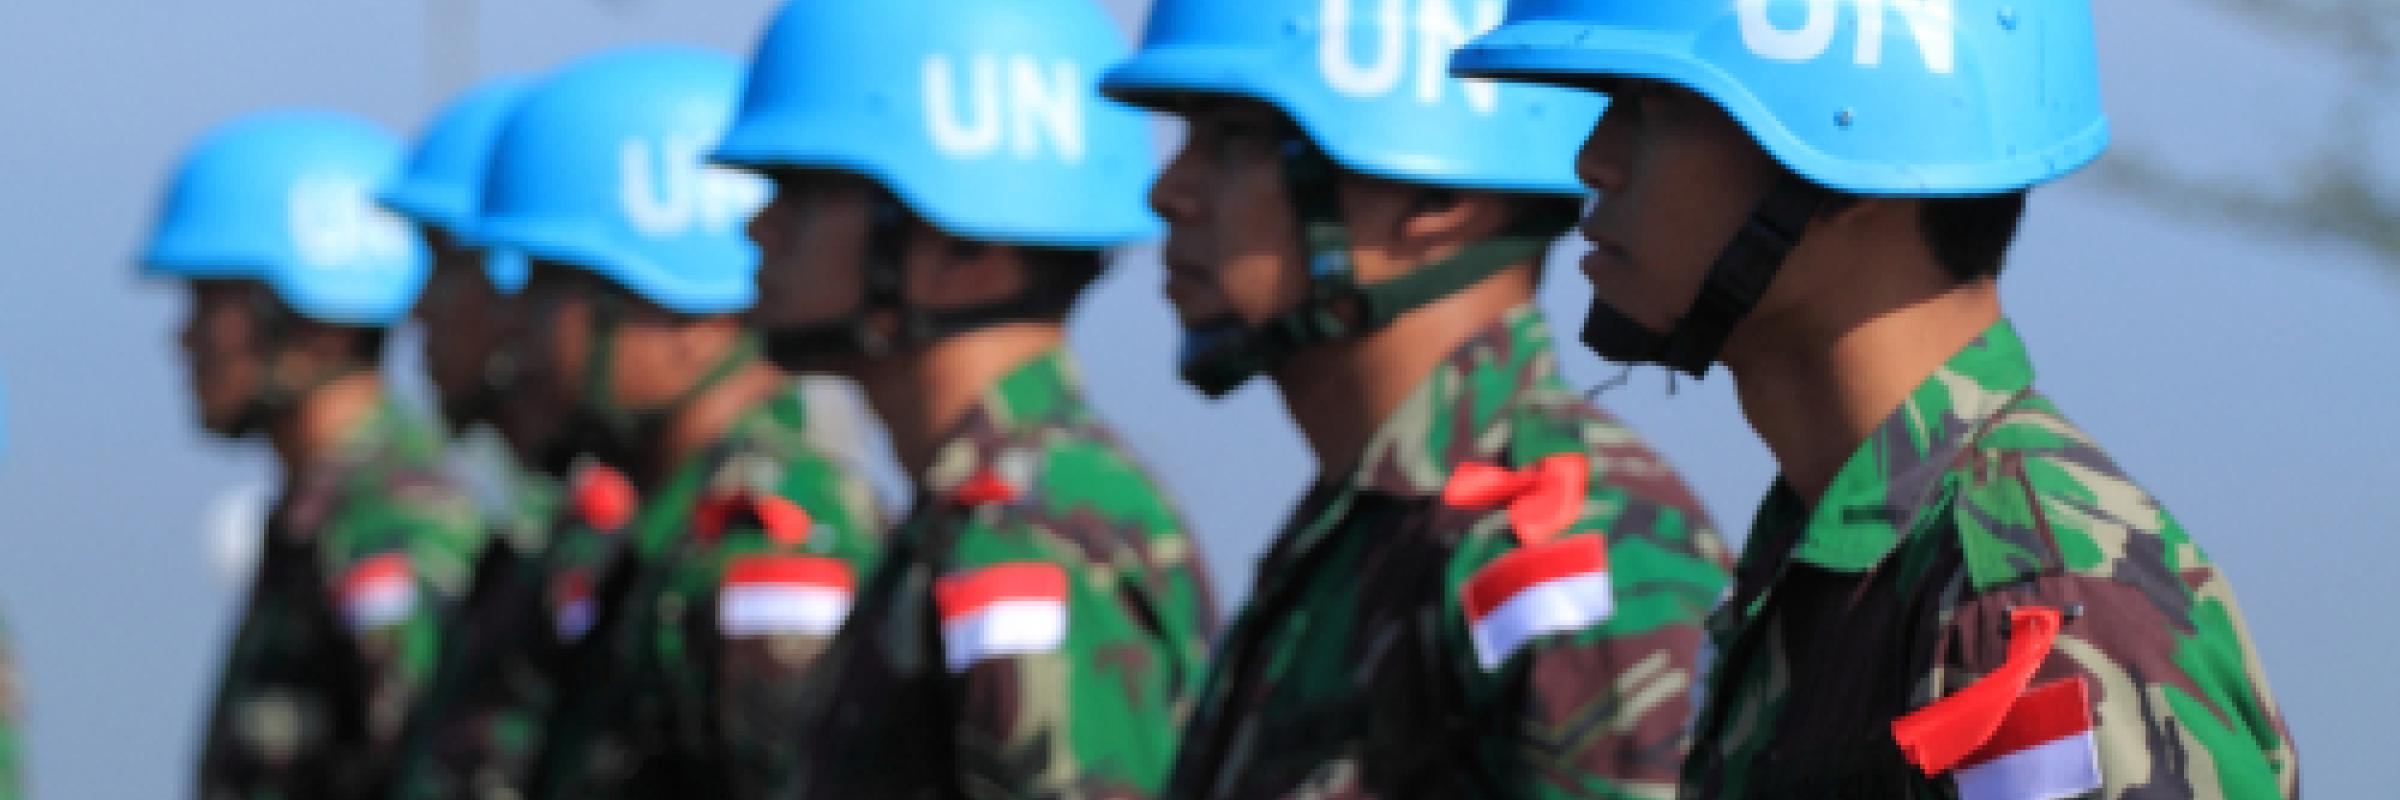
[
  {"x": 2043, "y": 750},
  {"x": 1001, "y": 610},
  {"x": 379, "y": 592},
  {"x": 784, "y": 596},
  {"x": 571, "y": 604},
  {"x": 1552, "y": 587}
]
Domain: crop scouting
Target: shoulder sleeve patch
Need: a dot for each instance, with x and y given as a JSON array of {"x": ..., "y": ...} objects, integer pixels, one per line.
[
  {"x": 1003, "y": 609},
  {"x": 1553, "y": 587},
  {"x": 773, "y": 595},
  {"x": 2044, "y": 749},
  {"x": 379, "y": 592}
]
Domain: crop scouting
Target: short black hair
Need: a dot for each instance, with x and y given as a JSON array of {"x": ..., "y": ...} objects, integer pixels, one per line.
[
  {"x": 1063, "y": 274},
  {"x": 1969, "y": 236}
]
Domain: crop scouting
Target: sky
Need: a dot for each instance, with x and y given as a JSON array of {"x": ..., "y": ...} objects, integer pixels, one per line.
[{"x": 2246, "y": 380}]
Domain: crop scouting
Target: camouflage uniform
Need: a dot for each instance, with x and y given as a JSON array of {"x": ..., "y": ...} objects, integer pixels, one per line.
[
  {"x": 658, "y": 699},
  {"x": 363, "y": 555},
  {"x": 1971, "y": 504},
  {"x": 474, "y": 731},
  {"x": 1029, "y": 485},
  {"x": 1352, "y": 672}
]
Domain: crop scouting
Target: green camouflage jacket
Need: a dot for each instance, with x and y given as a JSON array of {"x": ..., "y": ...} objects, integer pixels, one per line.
[
  {"x": 473, "y": 732},
  {"x": 1403, "y": 641},
  {"x": 362, "y": 557},
  {"x": 1983, "y": 595},
  {"x": 1033, "y": 630},
  {"x": 739, "y": 570}
]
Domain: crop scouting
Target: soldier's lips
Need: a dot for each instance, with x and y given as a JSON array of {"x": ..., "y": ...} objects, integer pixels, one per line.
[{"x": 1604, "y": 256}]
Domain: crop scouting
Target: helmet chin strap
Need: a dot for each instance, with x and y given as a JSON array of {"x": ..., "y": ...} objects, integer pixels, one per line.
[
  {"x": 794, "y": 347},
  {"x": 1740, "y": 276},
  {"x": 1221, "y": 354},
  {"x": 610, "y": 430}
]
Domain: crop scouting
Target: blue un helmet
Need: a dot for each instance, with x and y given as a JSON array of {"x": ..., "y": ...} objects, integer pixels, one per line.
[
  {"x": 600, "y": 168},
  {"x": 1906, "y": 98},
  {"x": 981, "y": 118},
  {"x": 442, "y": 187},
  {"x": 1367, "y": 85},
  {"x": 286, "y": 198}
]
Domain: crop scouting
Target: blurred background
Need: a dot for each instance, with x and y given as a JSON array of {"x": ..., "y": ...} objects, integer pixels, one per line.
[{"x": 2215, "y": 300}]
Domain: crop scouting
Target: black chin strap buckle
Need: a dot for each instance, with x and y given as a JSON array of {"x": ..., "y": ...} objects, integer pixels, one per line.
[{"x": 1741, "y": 275}]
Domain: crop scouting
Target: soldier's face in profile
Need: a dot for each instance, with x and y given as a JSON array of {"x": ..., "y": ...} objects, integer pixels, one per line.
[
  {"x": 813, "y": 249},
  {"x": 465, "y": 321},
  {"x": 223, "y": 346},
  {"x": 1233, "y": 244},
  {"x": 1676, "y": 178},
  {"x": 549, "y": 337}
]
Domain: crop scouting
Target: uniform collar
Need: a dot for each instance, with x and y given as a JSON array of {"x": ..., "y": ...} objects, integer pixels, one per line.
[
  {"x": 1037, "y": 394},
  {"x": 1886, "y": 486},
  {"x": 748, "y": 456},
  {"x": 1453, "y": 415},
  {"x": 385, "y": 445}
]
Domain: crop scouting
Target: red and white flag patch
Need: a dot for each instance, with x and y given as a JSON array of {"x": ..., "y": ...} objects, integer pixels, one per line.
[
  {"x": 2043, "y": 750},
  {"x": 1001, "y": 610},
  {"x": 572, "y": 610},
  {"x": 1552, "y": 587},
  {"x": 784, "y": 595},
  {"x": 380, "y": 591}
]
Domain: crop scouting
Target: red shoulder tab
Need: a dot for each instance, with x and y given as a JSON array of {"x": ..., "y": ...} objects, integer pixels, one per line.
[
  {"x": 785, "y": 522},
  {"x": 604, "y": 499},
  {"x": 984, "y": 489},
  {"x": 1942, "y": 734},
  {"x": 1543, "y": 499}
]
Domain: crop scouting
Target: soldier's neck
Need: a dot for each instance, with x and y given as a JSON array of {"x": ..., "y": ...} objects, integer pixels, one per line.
[
  {"x": 1815, "y": 386},
  {"x": 1340, "y": 393},
  {"x": 314, "y": 430},
  {"x": 707, "y": 420},
  {"x": 923, "y": 393}
]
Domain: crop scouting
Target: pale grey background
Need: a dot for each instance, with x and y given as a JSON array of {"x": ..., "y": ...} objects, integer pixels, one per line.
[{"x": 2248, "y": 381}]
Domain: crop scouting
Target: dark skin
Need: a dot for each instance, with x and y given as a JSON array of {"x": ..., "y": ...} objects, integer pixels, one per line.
[
  {"x": 466, "y": 320},
  {"x": 813, "y": 239},
  {"x": 658, "y": 356},
  {"x": 1233, "y": 247},
  {"x": 240, "y": 341},
  {"x": 1860, "y": 314}
]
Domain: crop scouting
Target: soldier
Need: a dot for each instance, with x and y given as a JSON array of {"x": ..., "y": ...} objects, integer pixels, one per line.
[
  {"x": 295, "y": 276},
  {"x": 472, "y": 731},
  {"x": 1492, "y": 589},
  {"x": 681, "y": 636},
  {"x": 1041, "y": 613},
  {"x": 1950, "y": 591}
]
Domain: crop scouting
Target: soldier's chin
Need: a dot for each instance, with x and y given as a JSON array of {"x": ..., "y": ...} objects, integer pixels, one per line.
[{"x": 229, "y": 424}]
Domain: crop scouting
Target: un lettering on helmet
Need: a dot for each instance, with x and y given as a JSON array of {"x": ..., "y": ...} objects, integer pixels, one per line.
[
  {"x": 1933, "y": 24},
  {"x": 1033, "y": 107},
  {"x": 1438, "y": 29},
  {"x": 668, "y": 189},
  {"x": 336, "y": 224}
]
